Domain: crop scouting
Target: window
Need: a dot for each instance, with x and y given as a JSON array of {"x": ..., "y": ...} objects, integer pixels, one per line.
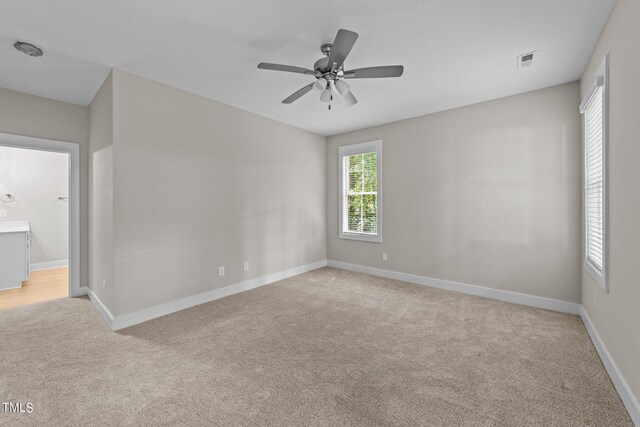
[
  {"x": 594, "y": 110},
  {"x": 361, "y": 191}
]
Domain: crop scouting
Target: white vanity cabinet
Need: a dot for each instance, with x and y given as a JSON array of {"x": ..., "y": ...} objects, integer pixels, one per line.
[{"x": 15, "y": 242}]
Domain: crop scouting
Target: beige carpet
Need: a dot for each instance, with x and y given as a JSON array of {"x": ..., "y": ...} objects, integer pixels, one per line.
[{"x": 329, "y": 348}]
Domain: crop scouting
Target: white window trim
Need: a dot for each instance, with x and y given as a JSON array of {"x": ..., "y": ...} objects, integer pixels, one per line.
[
  {"x": 350, "y": 150},
  {"x": 601, "y": 80}
]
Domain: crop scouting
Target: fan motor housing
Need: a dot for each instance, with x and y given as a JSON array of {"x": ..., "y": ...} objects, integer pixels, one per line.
[{"x": 321, "y": 64}]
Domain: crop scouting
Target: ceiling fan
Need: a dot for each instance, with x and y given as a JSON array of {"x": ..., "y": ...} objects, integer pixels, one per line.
[{"x": 329, "y": 71}]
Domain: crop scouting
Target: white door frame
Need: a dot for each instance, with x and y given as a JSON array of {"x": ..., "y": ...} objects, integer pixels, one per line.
[{"x": 73, "y": 149}]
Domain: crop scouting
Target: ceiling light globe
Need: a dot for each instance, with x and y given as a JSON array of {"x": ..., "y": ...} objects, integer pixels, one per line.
[
  {"x": 320, "y": 84},
  {"x": 342, "y": 87},
  {"x": 326, "y": 95},
  {"x": 349, "y": 99}
]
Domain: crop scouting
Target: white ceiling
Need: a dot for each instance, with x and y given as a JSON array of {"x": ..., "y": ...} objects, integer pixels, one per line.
[{"x": 455, "y": 53}]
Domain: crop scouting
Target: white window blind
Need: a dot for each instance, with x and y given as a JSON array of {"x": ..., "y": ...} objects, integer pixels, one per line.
[
  {"x": 594, "y": 180},
  {"x": 360, "y": 191},
  {"x": 594, "y": 108}
]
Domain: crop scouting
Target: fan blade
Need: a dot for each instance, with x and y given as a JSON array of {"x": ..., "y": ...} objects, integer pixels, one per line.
[
  {"x": 288, "y": 68},
  {"x": 349, "y": 99},
  {"x": 298, "y": 94},
  {"x": 342, "y": 45},
  {"x": 375, "y": 72}
]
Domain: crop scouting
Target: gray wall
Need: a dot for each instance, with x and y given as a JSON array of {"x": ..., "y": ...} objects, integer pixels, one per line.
[
  {"x": 28, "y": 115},
  {"x": 487, "y": 195},
  {"x": 616, "y": 315},
  {"x": 199, "y": 184},
  {"x": 101, "y": 193},
  {"x": 36, "y": 179}
]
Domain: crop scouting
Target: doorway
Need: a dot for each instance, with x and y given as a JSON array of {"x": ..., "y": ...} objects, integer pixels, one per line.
[{"x": 39, "y": 220}]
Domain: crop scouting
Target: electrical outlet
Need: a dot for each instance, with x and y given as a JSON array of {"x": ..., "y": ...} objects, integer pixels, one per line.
[
  {"x": 384, "y": 256},
  {"x": 221, "y": 271},
  {"x": 3, "y": 213},
  {"x": 104, "y": 286},
  {"x": 595, "y": 302},
  {"x": 246, "y": 266}
]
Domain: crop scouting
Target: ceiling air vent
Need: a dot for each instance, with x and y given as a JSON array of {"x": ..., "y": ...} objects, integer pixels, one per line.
[
  {"x": 525, "y": 60},
  {"x": 28, "y": 48}
]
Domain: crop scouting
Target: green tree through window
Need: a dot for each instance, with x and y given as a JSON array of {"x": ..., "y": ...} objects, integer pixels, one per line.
[{"x": 362, "y": 193}]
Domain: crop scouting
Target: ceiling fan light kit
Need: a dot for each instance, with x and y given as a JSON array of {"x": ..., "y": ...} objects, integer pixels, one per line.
[
  {"x": 349, "y": 99},
  {"x": 342, "y": 87},
  {"x": 320, "y": 85},
  {"x": 329, "y": 71},
  {"x": 326, "y": 95}
]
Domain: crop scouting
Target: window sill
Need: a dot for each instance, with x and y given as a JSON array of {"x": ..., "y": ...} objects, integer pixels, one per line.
[
  {"x": 374, "y": 238},
  {"x": 596, "y": 275}
]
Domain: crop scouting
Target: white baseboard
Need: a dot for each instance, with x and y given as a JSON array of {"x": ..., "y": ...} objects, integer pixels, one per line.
[
  {"x": 101, "y": 308},
  {"x": 130, "y": 319},
  {"x": 49, "y": 264},
  {"x": 629, "y": 400},
  {"x": 513, "y": 297}
]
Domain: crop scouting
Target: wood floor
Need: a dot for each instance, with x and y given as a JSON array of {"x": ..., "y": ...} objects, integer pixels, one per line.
[{"x": 43, "y": 285}]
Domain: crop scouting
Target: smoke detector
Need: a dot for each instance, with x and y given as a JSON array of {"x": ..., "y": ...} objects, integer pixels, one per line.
[
  {"x": 526, "y": 60},
  {"x": 28, "y": 48}
]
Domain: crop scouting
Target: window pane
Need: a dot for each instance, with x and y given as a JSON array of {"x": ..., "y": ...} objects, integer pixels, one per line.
[
  {"x": 355, "y": 173},
  {"x": 354, "y": 219},
  {"x": 594, "y": 185},
  {"x": 370, "y": 219},
  {"x": 370, "y": 171}
]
